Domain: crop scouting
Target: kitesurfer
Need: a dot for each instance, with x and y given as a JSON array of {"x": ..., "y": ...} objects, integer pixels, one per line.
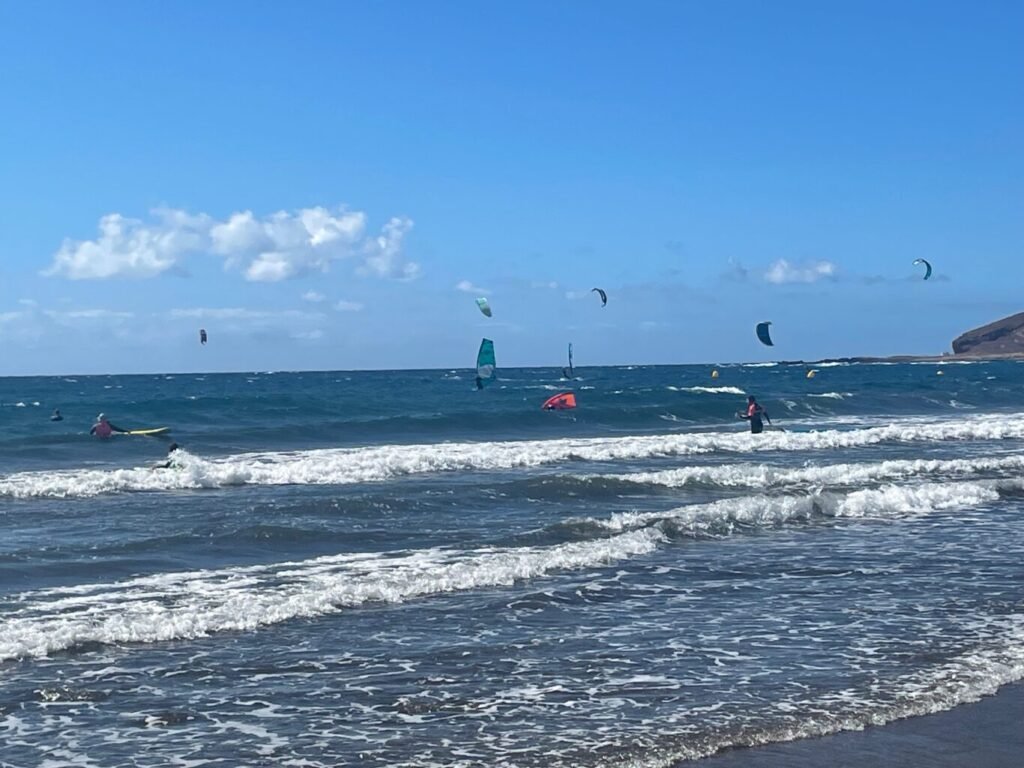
[
  {"x": 103, "y": 428},
  {"x": 754, "y": 414},
  {"x": 56, "y": 415}
]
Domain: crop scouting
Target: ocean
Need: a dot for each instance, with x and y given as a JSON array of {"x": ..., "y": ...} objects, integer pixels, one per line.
[{"x": 392, "y": 569}]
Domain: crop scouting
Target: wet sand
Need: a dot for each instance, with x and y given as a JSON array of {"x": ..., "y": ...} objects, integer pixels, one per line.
[{"x": 987, "y": 734}]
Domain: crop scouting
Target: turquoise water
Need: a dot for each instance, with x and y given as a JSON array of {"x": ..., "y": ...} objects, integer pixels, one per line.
[{"x": 390, "y": 568}]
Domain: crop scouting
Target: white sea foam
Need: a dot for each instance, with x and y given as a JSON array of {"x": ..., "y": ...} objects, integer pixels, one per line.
[
  {"x": 767, "y": 476},
  {"x": 965, "y": 678},
  {"x": 178, "y": 606},
  {"x": 712, "y": 390},
  {"x": 768, "y": 511},
  {"x": 832, "y": 395},
  {"x": 381, "y": 463}
]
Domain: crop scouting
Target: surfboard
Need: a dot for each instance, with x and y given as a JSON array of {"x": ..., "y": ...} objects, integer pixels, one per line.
[{"x": 149, "y": 432}]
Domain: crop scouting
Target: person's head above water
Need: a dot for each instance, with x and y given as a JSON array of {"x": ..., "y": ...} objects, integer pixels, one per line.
[
  {"x": 172, "y": 447},
  {"x": 101, "y": 417},
  {"x": 750, "y": 399}
]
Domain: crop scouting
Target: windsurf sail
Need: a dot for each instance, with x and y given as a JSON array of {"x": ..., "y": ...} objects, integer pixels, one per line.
[
  {"x": 763, "y": 335},
  {"x": 202, "y": 335},
  {"x": 484, "y": 306},
  {"x": 485, "y": 363},
  {"x": 570, "y": 360},
  {"x": 560, "y": 402}
]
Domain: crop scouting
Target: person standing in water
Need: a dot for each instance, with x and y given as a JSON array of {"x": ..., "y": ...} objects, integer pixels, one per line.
[
  {"x": 754, "y": 415},
  {"x": 103, "y": 428}
]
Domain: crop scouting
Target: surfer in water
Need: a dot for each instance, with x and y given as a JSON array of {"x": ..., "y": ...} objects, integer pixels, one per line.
[
  {"x": 754, "y": 415},
  {"x": 103, "y": 428},
  {"x": 171, "y": 458},
  {"x": 56, "y": 415}
]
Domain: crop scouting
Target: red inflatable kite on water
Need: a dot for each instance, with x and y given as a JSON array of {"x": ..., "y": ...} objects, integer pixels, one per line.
[{"x": 560, "y": 402}]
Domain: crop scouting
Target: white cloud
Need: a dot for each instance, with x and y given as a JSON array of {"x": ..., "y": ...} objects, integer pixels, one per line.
[
  {"x": 313, "y": 297},
  {"x": 268, "y": 249},
  {"x": 240, "y": 313},
  {"x": 467, "y": 287},
  {"x": 348, "y": 306},
  {"x": 552, "y": 285},
  {"x": 314, "y": 335},
  {"x": 806, "y": 272},
  {"x": 272, "y": 268},
  {"x": 28, "y": 302},
  {"x": 88, "y": 314},
  {"x": 125, "y": 248},
  {"x": 383, "y": 253}
]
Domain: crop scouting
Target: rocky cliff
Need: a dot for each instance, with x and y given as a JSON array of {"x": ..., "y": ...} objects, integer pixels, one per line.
[{"x": 1003, "y": 337}]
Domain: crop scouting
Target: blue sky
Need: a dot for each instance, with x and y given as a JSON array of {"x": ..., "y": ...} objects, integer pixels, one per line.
[{"x": 314, "y": 184}]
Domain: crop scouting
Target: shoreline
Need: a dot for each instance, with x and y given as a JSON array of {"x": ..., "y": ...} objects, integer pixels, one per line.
[{"x": 982, "y": 734}]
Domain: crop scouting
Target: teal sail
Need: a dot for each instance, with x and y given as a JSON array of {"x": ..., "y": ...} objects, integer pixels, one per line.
[{"x": 485, "y": 363}]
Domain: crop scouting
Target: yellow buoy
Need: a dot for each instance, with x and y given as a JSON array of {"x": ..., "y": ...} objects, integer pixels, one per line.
[
  {"x": 811, "y": 373},
  {"x": 939, "y": 373},
  {"x": 714, "y": 374}
]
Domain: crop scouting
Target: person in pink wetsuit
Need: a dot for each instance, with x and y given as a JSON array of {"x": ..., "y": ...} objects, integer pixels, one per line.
[{"x": 103, "y": 428}]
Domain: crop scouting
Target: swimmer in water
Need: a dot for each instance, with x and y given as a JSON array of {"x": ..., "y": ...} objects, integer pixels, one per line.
[
  {"x": 56, "y": 415},
  {"x": 171, "y": 461}
]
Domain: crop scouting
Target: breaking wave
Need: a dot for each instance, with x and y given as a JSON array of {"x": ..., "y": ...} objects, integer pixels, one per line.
[
  {"x": 711, "y": 390},
  {"x": 382, "y": 463},
  {"x": 766, "y": 476},
  {"x": 188, "y": 605},
  {"x": 178, "y": 606}
]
